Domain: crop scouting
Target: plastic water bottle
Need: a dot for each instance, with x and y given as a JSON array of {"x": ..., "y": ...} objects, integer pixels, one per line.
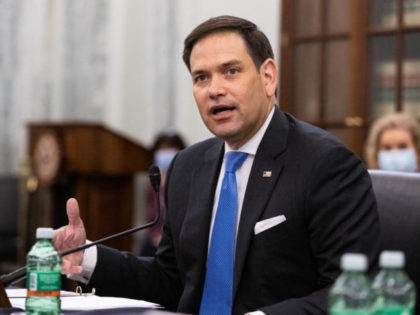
[
  {"x": 351, "y": 293},
  {"x": 395, "y": 293},
  {"x": 43, "y": 281}
]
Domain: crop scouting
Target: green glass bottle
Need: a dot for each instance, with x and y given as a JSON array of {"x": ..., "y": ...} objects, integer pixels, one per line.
[{"x": 43, "y": 281}]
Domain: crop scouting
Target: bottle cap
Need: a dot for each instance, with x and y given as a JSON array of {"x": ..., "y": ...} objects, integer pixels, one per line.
[
  {"x": 392, "y": 259},
  {"x": 354, "y": 261},
  {"x": 44, "y": 232}
]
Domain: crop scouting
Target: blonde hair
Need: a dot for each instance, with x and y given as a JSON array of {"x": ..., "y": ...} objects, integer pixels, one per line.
[{"x": 390, "y": 121}]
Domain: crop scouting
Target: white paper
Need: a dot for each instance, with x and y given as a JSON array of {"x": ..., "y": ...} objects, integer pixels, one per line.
[{"x": 73, "y": 301}]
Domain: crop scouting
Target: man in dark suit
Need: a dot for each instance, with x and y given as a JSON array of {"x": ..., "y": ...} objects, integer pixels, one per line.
[{"x": 304, "y": 199}]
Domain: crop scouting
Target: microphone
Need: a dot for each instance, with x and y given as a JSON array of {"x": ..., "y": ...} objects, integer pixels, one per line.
[{"x": 154, "y": 177}]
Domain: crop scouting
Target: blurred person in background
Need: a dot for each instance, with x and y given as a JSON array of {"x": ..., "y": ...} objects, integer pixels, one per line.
[
  {"x": 165, "y": 146},
  {"x": 393, "y": 143}
]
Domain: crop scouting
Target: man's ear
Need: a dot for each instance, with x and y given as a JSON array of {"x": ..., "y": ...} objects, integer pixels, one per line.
[{"x": 268, "y": 71}]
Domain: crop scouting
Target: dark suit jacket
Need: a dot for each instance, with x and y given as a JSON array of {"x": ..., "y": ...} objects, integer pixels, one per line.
[{"x": 321, "y": 188}]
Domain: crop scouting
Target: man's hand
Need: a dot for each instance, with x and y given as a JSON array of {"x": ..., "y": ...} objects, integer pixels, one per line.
[{"x": 69, "y": 237}]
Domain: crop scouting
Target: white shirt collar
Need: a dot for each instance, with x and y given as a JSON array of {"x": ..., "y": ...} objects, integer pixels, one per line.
[{"x": 252, "y": 144}]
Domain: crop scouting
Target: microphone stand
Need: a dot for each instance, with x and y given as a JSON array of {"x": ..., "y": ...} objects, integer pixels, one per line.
[{"x": 20, "y": 274}]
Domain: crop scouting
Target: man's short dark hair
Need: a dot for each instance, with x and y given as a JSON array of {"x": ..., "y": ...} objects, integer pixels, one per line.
[{"x": 256, "y": 42}]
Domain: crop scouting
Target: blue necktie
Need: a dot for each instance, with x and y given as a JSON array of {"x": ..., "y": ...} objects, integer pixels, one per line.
[{"x": 217, "y": 294}]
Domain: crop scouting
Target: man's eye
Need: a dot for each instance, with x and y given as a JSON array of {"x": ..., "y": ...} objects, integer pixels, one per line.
[
  {"x": 199, "y": 78},
  {"x": 232, "y": 71}
]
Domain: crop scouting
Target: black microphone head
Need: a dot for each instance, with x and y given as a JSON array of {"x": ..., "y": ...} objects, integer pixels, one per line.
[{"x": 154, "y": 176}]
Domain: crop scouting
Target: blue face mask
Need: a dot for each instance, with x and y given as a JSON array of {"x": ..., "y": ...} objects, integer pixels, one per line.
[
  {"x": 404, "y": 160},
  {"x": 163, "y": 158}
]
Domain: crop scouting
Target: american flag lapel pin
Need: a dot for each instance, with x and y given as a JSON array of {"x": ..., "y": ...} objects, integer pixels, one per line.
[{"x": 267, "y": 174}]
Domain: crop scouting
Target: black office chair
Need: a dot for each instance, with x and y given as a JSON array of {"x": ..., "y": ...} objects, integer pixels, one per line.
[
  {"x": 9, "y": 206},
  {"x": 398, "y": 198}
]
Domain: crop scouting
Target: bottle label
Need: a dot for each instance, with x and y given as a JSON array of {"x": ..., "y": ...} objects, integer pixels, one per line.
[
  {"x": 350, "y": 312},
  {"x": 44, "y": 281},
  {"x": 396, "y": 311}
]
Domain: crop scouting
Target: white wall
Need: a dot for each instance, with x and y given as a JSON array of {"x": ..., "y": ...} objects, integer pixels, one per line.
[{"x": 112, "y": 61}]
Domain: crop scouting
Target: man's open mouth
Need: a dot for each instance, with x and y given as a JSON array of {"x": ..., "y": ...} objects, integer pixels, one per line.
[{"x": 222, "y": 109}]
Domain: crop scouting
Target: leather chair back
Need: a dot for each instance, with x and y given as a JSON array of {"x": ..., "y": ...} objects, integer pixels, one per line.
[{"x": 398, "y": 198}]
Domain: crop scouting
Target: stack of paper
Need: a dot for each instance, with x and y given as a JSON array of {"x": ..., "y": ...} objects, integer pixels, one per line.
[{"x": 75, "y": 301}]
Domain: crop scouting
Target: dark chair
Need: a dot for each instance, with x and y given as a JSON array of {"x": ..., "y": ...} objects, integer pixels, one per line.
[
  {"x": 9, "y": 207},
  {"x": 398, "y": 198}
]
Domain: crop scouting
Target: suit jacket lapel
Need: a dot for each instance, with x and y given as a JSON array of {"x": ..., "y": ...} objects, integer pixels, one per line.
[
  {"x": 259, "y": 188},
  {"x": 195, "y": 232}
]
